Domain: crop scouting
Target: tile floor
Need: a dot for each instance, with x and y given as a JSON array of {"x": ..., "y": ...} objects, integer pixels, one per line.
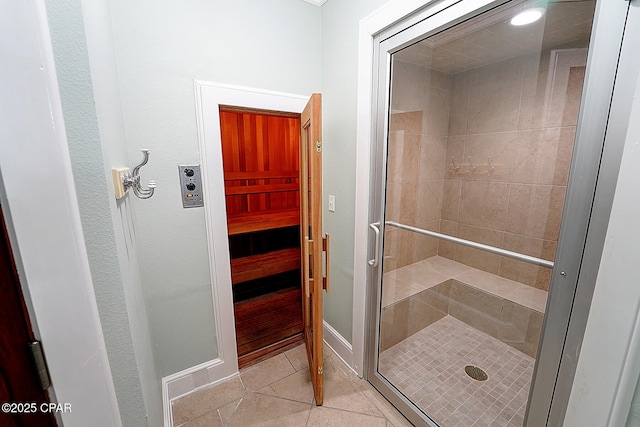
[
  {"x": 278, "y": 392},
  {"x": 428, "y": 367}
]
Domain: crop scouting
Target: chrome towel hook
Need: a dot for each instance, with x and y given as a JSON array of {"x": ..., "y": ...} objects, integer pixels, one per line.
[{"x": 125, "y": 179}]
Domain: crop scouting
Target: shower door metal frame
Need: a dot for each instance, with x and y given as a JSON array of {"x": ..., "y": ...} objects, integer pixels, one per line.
[{"x": 592, "y": 180}]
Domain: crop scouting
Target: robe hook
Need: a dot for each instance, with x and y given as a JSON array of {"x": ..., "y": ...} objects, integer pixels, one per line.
[{"x": 132, "y": 179}]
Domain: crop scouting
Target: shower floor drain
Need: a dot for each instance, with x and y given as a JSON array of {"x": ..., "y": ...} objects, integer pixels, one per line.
[{"x": 476, "y": 373}]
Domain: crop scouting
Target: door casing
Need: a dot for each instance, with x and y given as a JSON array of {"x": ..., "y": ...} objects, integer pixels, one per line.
[{"x": 209, "y": 96}]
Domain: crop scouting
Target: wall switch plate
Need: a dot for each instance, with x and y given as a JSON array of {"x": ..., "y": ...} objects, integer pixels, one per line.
[
  {"x": 118, "y": 185},
  {"x": 332, "y": 203},
  {"x": 190, "y": 186}
]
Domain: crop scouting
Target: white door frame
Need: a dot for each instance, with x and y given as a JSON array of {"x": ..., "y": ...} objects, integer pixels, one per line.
[
  {"x": 209, "y": 97},
  {"x": 41, "y": 208}
]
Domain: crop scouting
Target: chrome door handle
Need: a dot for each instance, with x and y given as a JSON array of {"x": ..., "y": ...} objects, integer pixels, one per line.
[{"x": 374, "y": 226}]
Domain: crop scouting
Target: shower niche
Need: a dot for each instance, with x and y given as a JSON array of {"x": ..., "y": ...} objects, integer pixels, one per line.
[{"x": 260, "y": 151}]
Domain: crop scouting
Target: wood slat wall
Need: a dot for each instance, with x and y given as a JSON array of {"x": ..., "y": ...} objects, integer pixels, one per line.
[
  {"x": 265, "y": 144},
  {"x": 261, "y": 162}
]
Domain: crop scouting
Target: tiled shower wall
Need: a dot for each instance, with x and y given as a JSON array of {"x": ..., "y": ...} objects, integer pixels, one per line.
[
  {"x": 515, "y": 127},
  {"x": 508, "y": 116},
  {"x": 416, "y": 161}
]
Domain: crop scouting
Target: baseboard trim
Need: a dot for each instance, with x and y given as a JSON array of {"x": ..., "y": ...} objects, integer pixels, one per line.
[
  {"x": 181, "y": 383},
  {"x": 339, "y": 345}
]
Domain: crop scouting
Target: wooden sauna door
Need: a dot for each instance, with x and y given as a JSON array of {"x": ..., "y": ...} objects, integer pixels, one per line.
[{"x": 312, "y": 240}]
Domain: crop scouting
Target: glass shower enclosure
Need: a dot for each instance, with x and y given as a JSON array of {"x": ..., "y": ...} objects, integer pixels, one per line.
[{"x": 477, "y": 115}]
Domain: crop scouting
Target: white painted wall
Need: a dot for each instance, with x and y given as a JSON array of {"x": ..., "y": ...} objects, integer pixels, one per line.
[
  {"x": 340, "y": 30},
  {"x": 39, "y": 201},
  {"x": 633, "y": 419},
  {"x": 161, "y": 48},
  {"x": 83, "y": 47}
]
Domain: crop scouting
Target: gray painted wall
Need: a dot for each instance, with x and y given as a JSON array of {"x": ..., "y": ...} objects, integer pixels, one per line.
[
  {"x": 634, "y": 413},
  {"x": 94, "y": 128},
  {"x": 340, "y": 26},
  {"x": 161, "y": 47}
]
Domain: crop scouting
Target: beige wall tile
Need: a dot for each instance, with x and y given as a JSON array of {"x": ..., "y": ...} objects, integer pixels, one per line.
[
  {"x": 440, "y": 80},
  {"x": 499, "y": 147},
  {"x": 476, "y": 308},
  {"x": 477, "y": 258},
  {"x": 433, "y": 154},
  {"x": 535, "y": 210},
  {"x": 455, "y": 156},
  {"x": 408, "y": 202},
  {"x": 410, "y": 122},
  {"x": 523, "y": 272},
  {"x": 451, "y": 199},
  {"x": 403, "y": 157},
  {"x": 393, "y": 201},
  {"x": 429, "y": 201},
  {"x": 401, "y": 202},
  {"x": 520, "y": 328},
  {"x": 405, "y": 318},
  {"x": 394, "y": 290},
  {"x": 458, "y": 115},
  {"x": 535, "y": 68},
  {"x": 484, "y": 204},
  {"x": 398, "y": 249},
  {"x": 574, "y": 96},
  {"x": 448, "y": 249},
  {"x": 425, "y": 246},
  {"x": 494, "y": 97},
  {"x": 543, "y": 156},
  {"x": 409, "y": 93},
  {"x": 437, "y": 297},
  {"x": 437, "y": 112}
]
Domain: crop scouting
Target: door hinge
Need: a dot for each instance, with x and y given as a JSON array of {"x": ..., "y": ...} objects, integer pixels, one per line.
[
  {"x": 41, "y": 364},
  {"x": 318, "y": 146}
]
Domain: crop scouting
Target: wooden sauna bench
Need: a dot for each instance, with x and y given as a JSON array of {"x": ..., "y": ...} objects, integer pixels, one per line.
[
  {"x": 263, "y": 265},
  {"x": 262, "y": 220}
]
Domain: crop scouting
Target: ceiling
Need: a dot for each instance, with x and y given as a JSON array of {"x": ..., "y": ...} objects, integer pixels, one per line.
[{"x": 490, "y": 38}]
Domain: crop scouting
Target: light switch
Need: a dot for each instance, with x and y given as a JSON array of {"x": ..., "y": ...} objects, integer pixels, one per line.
[{"x": 332, "y": 203}]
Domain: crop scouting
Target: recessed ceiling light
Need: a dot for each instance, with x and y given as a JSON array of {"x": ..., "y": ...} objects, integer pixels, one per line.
[{"x": 527, "y": 16}]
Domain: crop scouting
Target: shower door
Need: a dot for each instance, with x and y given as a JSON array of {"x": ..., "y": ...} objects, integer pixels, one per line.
[{"x": 478, "y": 114}]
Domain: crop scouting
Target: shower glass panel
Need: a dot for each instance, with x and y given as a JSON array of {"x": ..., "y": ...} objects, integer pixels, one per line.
[{"x": 481, "y": 128}]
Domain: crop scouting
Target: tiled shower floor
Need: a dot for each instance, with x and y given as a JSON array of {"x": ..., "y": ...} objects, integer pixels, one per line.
[{"x": 428, "y": 367}]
